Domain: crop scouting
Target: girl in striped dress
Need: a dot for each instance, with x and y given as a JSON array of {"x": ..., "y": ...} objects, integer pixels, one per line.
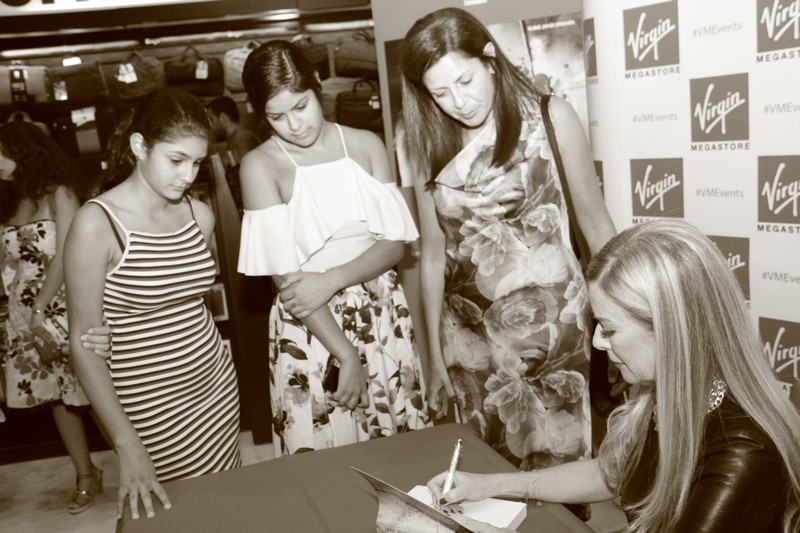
[{"x": 138, "y": 256}]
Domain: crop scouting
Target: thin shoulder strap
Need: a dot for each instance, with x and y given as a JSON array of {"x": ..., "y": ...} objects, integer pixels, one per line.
[
  {"x": 112, "y": 220},
  {"x": 191, "y": 207},
  {"x": 344, "y": 144},
  {"x": 286, "y": 153},
  {"x": 579, "y": 244}
]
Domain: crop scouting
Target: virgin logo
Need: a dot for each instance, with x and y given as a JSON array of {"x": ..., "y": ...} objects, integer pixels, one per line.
[
  {"x": 778, "y": 19},
  {"x": 642, "y": 42},
  {"x": 735, "y": 261},
  {"x": 650, "y": 193},
  {"x": 781, "y": 357},
  {"x": 780, "y": 195},
  {"x": 710, "y": 114}
]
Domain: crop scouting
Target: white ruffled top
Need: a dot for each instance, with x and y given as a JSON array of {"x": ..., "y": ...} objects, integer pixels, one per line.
[{"x": 336, "y": 212}]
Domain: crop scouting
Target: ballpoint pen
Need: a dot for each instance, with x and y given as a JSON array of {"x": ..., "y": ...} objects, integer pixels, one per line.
[{"x": 451, "y": 472}]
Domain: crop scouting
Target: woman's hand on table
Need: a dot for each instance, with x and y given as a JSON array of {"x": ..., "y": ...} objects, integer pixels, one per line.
[
  {"x": 303, "y": 293},
  {"x": 98, "y": 339},
  {"x": 137, "y": 478}
]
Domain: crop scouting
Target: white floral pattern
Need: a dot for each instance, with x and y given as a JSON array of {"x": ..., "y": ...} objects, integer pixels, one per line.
[
  {"x": 28, "y": 251},
  {"x": 374, "y": 315},
  {"x": 515, "y": 306}
]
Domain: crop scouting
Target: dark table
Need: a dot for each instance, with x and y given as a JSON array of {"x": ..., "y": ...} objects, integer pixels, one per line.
[{"x": 319, "y": 492}]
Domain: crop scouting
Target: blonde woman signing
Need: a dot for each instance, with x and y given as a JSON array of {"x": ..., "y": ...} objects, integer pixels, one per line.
[{"x": 710, "y": 442}]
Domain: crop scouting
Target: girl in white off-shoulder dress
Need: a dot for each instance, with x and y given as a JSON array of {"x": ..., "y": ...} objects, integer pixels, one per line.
[{"x": 324, "y": 219}]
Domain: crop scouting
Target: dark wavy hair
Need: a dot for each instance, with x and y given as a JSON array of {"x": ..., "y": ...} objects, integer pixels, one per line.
[
  {"x": 166, "y": 114},
  {"x": 273, "y": 67},
  {"x": 435, "y": 136},
  {"x": 42, "y": 165}
]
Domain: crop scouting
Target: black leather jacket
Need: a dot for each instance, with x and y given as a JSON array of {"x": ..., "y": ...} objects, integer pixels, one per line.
[{"x": 741, "y": 482}]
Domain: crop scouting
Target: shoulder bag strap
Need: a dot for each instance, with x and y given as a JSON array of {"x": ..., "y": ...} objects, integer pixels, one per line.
[{"x": 579, "y": 244}]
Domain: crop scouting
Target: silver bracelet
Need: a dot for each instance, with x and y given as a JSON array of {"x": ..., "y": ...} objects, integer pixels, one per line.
[{"x": 531, "y": 487}]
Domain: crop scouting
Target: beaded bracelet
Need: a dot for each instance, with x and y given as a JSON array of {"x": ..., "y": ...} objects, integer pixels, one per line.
[{"x": 531, "y": 488}]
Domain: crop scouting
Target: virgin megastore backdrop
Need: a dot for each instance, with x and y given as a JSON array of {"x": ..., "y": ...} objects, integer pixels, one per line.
[{"x": 694, "y": 112}]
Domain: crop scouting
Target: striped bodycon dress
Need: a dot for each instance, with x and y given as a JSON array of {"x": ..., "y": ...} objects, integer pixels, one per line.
[{"x": 174, "y": 379}]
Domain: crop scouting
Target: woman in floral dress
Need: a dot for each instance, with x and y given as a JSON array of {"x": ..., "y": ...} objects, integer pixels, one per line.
[
  {"x": 323, "y": 217},
  {"x": 504, "y": 297},
  {"x": 40, "y": 192}
]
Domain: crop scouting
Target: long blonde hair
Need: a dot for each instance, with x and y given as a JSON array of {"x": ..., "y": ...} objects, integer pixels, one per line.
[{"x": 672, "y": 279}]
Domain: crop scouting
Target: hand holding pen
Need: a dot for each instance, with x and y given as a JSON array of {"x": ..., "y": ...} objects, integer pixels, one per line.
[
  {"x": 451, "y": 471},
  {"x": 438, "y": 491}
]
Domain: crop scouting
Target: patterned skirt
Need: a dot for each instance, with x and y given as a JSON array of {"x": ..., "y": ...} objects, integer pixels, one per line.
[{"x": 374, "y": 316}]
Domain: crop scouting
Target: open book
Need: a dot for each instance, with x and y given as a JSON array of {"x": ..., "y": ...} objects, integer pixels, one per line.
[
  {"x": 413, "y": 512},
  {"x": 495, "y": 511}
]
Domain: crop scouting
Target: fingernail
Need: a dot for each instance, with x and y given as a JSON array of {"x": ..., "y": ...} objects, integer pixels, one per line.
[
  {"x": 168, "y": 506},
  {"x": 85, "y": 344},
  {"x": 83, "y": 337},
  {"x": 150, "y": 515}
]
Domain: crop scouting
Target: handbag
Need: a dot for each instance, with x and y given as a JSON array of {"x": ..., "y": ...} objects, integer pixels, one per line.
[
  {"x": 360, "y": 107},
  {"x": 603, "y": 396},
  {"x": 199, "y": 75},
  {"x": 233, "y": 63},
  {"x": 316, "y": 53},
  {"x": 81, "y": 83},
  {"x": 134, "y": 77},
  {"x": 23, "y": 84},
  {"x": 55, "y": 345},
  {"x": 357, "y": 57}
]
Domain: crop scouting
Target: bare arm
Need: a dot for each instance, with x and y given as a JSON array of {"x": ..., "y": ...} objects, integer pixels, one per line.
[
  {"x": 432, "y": 263},
  {"x": 205, "y": 219},
  {"x": 574, "y": 482},
  {"x": 88, "y": 252},
  {"x": 260, "y": 191},
  {"x": 590, "y": 208},
  {"x": 66, "y": 204}
]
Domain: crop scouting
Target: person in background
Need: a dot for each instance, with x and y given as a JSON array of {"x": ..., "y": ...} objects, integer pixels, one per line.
[
  {"x": 138, "y": 255},
  {"x": 710, "y": 442},
  {"x": 40, "y": 191},
  {"x": 223, "y": 115},
  {"x": 504, "y": 296},
  {"x": 324, "y": 218}
]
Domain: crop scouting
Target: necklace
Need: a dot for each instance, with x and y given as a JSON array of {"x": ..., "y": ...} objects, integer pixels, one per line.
[{"x": 715, "y": 397}]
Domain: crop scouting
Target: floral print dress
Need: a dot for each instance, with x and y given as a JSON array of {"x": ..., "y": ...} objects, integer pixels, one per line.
[
  {"x": 337, "y": 211},
  {"x": 515, "y": 309},
  {"x": 29, "y": 248}
]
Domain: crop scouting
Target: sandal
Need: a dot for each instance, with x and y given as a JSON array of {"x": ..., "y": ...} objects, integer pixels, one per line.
[{"x": 83, "y": 499}]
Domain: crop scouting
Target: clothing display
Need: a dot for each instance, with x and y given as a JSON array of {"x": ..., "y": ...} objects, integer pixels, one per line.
[
  {"x": 174, "y": 379},
  {"x": 336, "y": 212},
  {"x": 515, "y": 306},
  {"x": 29, "y": 249},
  {"x": 739, "y": 483}
]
